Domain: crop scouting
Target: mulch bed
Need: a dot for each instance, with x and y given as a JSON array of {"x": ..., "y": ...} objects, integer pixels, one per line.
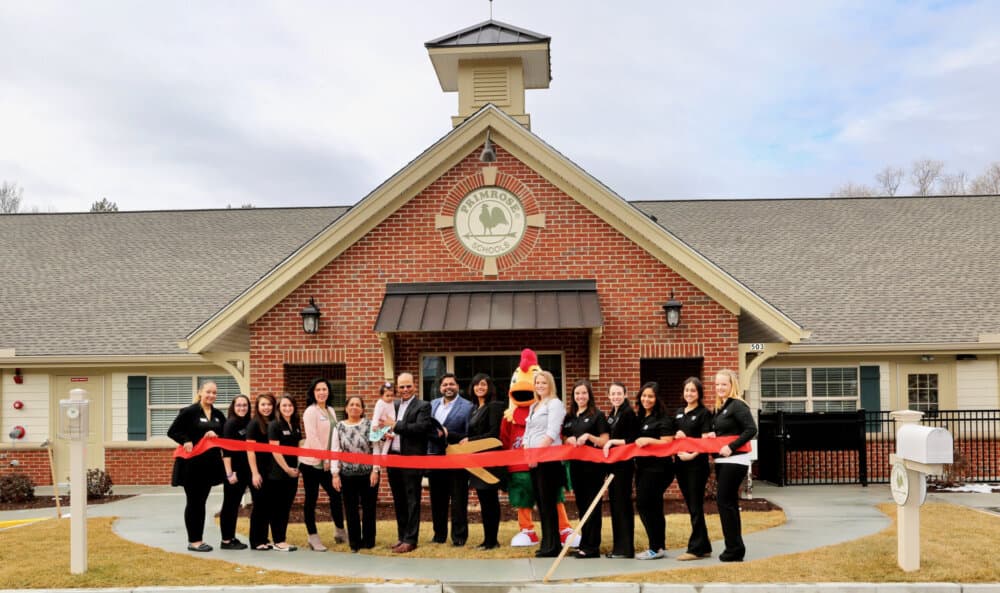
[{"x": 43, "y": 502}]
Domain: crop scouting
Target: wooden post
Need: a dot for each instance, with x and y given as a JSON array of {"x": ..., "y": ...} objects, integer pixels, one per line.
[{"x": 590, "y": 509}]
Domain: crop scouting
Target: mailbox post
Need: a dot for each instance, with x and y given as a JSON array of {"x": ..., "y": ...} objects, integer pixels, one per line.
[
  {"x": 920, "y": 450},
  {"x": 74, "y": 424}
]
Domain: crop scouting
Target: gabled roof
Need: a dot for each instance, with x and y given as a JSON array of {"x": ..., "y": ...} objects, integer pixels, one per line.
[
  {"x": 133, "y": 283},
  {"x": 918, "y": 270},
  {"x": 439, "y": 158},
  {"x": 488, "y": 33}
]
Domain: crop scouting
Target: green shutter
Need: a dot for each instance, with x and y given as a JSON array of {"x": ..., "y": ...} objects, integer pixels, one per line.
[
  {"x": 137, "y": 408},
  {"x": 870, "y": 400}
]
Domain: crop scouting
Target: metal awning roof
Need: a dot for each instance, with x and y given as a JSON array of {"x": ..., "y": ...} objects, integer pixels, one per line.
[{"x": 490, "y": 305}]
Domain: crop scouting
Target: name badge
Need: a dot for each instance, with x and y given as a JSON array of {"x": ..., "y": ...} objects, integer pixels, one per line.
[
  {"x": 724, "y": 412},
  {"x": 323, "y": 418},
  {"x": 645, "y": 427},
  {"x": 203, "y": 419},
  {"x": 242, "y": 432},
  {"x": 286, "y": 432},
  {"x": 679, "y": 416},
  {"x": 585, "y": 420}
]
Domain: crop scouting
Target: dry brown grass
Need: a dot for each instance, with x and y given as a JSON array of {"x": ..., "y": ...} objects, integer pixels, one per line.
[
  {"x": 37, "y": 556},
  {"x": 957, "y": 544}
]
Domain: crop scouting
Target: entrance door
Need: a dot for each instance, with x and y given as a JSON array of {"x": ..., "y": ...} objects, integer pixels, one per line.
[
  {"x": 94, "y": 386},
  {"x": 670, "y": 373}
]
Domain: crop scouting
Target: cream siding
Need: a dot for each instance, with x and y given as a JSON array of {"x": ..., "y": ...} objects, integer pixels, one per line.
[
  {"x": 977, "y": 384},
  {"x": 34, "y": 416},
  {"x": 119, "y": 406}
]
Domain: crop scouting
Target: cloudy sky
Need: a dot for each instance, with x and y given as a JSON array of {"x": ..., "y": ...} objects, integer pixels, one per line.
[{"x": 161, "y": 105}]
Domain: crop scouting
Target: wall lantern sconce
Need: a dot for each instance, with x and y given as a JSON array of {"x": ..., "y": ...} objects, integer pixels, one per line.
[
  {"x": 673, "y": 310},
  {"x": 489, "y": 154},
  {"x": 18, "y": 377},
  {"x": 310, "y": 317}
]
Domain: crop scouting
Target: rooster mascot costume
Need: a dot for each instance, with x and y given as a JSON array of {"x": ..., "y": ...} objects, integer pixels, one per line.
[{"x": 521, "y": 495}]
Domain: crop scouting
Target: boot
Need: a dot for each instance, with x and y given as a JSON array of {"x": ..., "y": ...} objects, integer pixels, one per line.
[
  {"x": 315, "y": 544},
  {"x": 339, "y": 535}
]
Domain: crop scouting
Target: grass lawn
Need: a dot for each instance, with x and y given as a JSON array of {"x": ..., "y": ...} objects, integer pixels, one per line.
[{"x": 958, "y": 546}]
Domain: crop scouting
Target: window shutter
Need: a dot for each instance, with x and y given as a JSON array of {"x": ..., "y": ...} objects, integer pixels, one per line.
[
  {"x": 870, "y": 396},
  {"x": 137, "y": 408}
]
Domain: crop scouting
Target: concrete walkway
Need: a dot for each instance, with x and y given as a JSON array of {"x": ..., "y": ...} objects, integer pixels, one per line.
[{"x": 817, "y": 516}]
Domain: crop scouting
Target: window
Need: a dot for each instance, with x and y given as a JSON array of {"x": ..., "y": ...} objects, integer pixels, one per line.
[
  {"x": 922, "y": 391},
  {"x": 805, "y": 389},
  {"x": 500, "y": 367},
  {"x": 167, "y": 395}
]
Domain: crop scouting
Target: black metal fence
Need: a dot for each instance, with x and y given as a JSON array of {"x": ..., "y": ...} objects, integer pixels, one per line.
[{"x": 854, "y": 447}]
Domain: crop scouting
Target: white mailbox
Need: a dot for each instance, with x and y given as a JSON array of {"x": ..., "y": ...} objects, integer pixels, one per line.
[{"x": 924, "y": 444}]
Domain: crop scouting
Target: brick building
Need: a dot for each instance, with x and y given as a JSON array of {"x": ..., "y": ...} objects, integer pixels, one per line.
[{"x": 488, "y": 242}]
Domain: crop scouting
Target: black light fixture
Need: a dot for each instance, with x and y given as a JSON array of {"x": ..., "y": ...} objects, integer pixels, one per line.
[
  {"x": 310, "y": 317},
  {"x": 489, "y": 154},
  {"x": 673, "y": 310}
]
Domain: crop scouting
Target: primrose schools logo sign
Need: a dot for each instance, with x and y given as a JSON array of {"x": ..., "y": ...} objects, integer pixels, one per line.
[{"x": 490, "y": 221}]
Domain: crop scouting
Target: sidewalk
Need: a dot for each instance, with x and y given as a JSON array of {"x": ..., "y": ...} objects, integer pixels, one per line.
[{"x": 816, "y": 516}]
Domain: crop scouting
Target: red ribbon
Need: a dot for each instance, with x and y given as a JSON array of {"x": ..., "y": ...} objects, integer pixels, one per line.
[{"x": 482, "y": 459}]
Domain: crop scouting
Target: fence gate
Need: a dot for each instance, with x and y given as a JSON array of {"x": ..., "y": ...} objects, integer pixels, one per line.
[{"x": 812, "y": 448}]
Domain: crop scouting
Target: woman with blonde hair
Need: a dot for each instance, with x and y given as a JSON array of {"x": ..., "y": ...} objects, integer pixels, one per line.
[
  {"x": 732, "y": 418},
  {"x": 199, "y": 473},
  {"x": 543, "y": 429}
]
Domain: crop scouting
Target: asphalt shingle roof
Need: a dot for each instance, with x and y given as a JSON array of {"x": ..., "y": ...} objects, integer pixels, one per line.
[
  {"x": 857, "y": 270},
  {"x": 134, "y": 283}
]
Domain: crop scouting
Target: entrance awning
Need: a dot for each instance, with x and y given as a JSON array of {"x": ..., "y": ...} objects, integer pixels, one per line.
[{"x": 496, "y": 305}]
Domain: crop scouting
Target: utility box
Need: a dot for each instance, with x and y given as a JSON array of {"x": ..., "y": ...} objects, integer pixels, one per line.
[
  {"x": 74, "y": 424},
  {"x": 924, "y": 444}
]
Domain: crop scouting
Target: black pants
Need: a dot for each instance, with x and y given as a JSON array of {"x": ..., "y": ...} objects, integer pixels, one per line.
[
  {"x": 232, "y": 494},
  {"x": 450, "y": 486},
  {"x": 281, "y": 495},
  {"x": 650, "y": 484},
  {"x": 406, "y": 491},
  {"x": 547, "y": 480},
  {"x": 622, "y": 512},
  {"x": 359, "y": 509},
  {"x": 728, "y": 477},
  {"x": 489, "y": 508},
  {"x": 692, "y": 477},
  {"x": 312, "y": 479},
  {"x": 196, "y": 495},
  {"x": 260, "y": 514},
  {"x": 587, "y": 479}
]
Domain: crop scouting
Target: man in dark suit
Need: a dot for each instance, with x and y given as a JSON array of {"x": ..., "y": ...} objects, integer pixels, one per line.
[
  {"x": 451, "y": 414},
  {"x": 412, "y": 428}
]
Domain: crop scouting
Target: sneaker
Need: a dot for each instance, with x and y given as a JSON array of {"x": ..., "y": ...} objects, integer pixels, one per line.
[
  {"x": 233, "y": 544},
  {"x": 650, "y": 555},
  {"x": 526, "y": 537},
  {"x": 566, "y": 536}
]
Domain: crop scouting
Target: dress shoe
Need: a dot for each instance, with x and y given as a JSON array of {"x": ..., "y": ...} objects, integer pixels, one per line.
[
  {"x": 547, "y": 554},
  {"x": 459, "y": 543},
  {"x": 438, "y": 540},
  {"x": 395, "y": 545},
  {"x": 202, "y": 547},
  {"x": 233, "y": 544},
  {"x": 583, "y": 555},
  {"x": 724, "y": 558},
  {"x": 618, "y": 556},
  {"x": 485, "y": 546},
  {"x": 404, "y": 548}
]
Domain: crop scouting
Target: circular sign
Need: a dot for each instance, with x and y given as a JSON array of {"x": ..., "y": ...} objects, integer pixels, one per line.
[
  {"x": 899, "y": 483},
  {"x": 490, "y": 221}
]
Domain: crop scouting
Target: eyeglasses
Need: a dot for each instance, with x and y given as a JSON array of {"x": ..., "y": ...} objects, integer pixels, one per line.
[{"x": 406, "y": 386}]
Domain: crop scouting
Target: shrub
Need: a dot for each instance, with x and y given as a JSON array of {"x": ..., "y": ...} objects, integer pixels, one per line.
[
  {"x": 98, "y": 483},
  {"x": 16, "y": 487}
]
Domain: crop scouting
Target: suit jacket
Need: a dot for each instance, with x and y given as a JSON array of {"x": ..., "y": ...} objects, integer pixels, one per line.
[
  {"x": 414, "y": 429},
  {"x": 457, "y": 424}
]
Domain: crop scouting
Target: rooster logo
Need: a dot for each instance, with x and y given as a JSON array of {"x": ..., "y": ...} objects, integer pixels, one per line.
[{"x": 491, "y": 218}]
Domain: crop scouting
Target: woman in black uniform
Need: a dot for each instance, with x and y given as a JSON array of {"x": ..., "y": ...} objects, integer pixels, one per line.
[
  {"x": 653, "y": 474},
  {"x": 198, "y": 474},
  {"x": 586, "y": 426},
  {"x": 484, "y": 423},
  {"x": 692, "y": 421},
  {"x": 237, "y": 472},
  {"x": 260, "y": 469},
  {"x": 732, "y": 418},
  {"x": 284, "y": 477},
  {"x": 624, "y": 429}
]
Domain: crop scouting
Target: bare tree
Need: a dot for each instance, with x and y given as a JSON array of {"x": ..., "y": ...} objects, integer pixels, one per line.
[
  {"x": 10, "y": 198},
  {"x": 104, "y": 205},
  {"x": 888, "y": 180},
  {"x": 988, "y": 183},
  {"x": 924, "y": 173},
  {"x": 853, "y": 190},
  {"x": 953, "y": 185}
]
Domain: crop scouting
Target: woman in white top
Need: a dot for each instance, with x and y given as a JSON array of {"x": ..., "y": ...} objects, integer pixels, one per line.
[
  {"x": 543, "y": 429},
  {"x": 318, "y": 421}
]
